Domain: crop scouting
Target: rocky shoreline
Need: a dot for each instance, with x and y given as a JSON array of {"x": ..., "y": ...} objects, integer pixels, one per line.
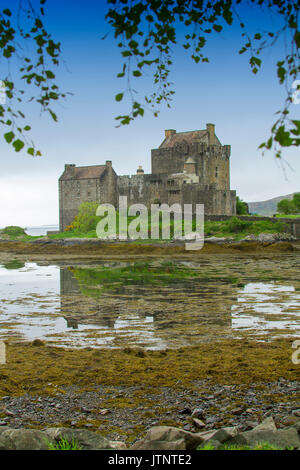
[
  {"x": 94, "y": 248},
  {"x": 235, "y": 406},
  {"x": 157, "y": 438}
]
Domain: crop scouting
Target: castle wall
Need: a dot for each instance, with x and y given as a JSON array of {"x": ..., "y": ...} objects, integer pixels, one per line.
[
  {"x": 212, "y": 162},
  {"x": 162, "y": 188},
  {"x": 143, "y": 189},
  {"x": 73, "y": 192}
]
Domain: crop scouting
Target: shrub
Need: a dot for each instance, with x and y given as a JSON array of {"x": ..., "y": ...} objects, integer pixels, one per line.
[
  {"x": 236, "y": 225},
  {"x": 86, "y": 219},
  {"x": 14, "y": 231}
]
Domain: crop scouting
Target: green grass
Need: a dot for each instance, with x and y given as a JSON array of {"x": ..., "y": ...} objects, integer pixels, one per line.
[
  {"x": 262, "y": 446},
  {"x": 63, "y": 444},
  {"x": 232, "y": 228},
  {"x": 288, "y": 216},
  {"x": 237, "y": 228}
]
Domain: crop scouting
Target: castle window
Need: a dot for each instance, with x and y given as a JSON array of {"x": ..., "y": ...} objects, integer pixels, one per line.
[
  {"x": 217, "y": 172},
  {"x": 156, "y": 182},
  {"x": 176, "y": 191}
]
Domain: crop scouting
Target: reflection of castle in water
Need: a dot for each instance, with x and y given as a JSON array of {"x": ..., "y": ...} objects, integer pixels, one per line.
[
  {"x": 196, "y": 301},
  {"x": 74, "y": 308}
]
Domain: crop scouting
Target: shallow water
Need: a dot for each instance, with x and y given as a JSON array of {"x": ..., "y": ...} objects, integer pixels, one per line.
[{"x": 153, "y": 304}]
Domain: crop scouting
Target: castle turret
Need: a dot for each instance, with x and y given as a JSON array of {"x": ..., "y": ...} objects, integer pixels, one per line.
[
  {"x": 140, "y": 170},
  {"x": 190, "y": 166}
]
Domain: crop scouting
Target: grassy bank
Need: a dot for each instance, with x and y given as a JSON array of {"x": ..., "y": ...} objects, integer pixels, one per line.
[{"x": 234, "y": 228}]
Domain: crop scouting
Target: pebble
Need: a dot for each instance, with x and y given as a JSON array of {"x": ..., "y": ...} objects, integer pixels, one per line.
[
  {"x": 198, "y": 423},
  {"x": 75, "y": 407},
  {"x": 237, "y": 411},
  {"x": 198, "y": 413}
]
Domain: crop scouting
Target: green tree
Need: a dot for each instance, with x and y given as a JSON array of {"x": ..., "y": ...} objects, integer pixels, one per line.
[
  {"x": 147, "y": 30},
  {"x": 296, "y": 201},
  {"x": 286, "y": 206},
  {"x": 241, "y": 207}
]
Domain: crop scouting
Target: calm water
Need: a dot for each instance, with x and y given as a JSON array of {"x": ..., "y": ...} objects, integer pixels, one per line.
[
  {"x": 41, "y": 230},
  {"x": 152, "y": 304}
]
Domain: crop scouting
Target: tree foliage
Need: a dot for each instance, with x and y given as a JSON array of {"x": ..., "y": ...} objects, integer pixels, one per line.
[
  {"x": 147, "y": 30},
  {"x": 25, "y": 43},
  {"x": 241, "y": 207},
  {"x": 289, "y": 206}
]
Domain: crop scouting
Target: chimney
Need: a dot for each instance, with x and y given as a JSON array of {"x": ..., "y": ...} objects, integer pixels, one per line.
[
  {"x": 169, "y": 132},
  {"x": 211, "y": 133},
  {"x": 69, "y": 165},
  {"x": 69, "y": 168},
  {"x": 140, "y": 170},
  {"x": 108, "y": 163}
]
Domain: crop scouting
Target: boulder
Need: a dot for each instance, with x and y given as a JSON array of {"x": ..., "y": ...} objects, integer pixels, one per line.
[
  {"x": 85, "y": 439},
  {"x": 145, "y": 444},
  {"x": 281, "y": 438},
  {"x": 267, "y": 424},
  {"x": 23, "y": 439},
  {"x": 220, "y": 435},
  {"x": 169, "y": 434}
]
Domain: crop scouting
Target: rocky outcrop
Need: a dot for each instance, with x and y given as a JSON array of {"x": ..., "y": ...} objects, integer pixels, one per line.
[
  {"x": 168, "y": 438},
  {"x": 157, "y": 438},
  {"x": 171, "y": 438},
  {"x": 265, "y": 432},
  {"x": 32, "y": 439}
]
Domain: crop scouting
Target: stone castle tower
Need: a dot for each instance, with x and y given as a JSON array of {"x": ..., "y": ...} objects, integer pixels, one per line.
[{"x": 187, "y": 168}]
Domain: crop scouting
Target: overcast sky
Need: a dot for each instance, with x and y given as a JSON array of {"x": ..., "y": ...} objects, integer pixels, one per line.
[{"x": 224, "y": 92}]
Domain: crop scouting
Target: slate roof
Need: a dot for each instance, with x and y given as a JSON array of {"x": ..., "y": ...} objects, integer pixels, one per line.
[
  {"x": 189, "y": 137},
  {"x": 83, "y": 172}
]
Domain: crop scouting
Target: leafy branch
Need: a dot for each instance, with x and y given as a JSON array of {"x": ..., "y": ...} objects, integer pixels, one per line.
[
  {"x": 146, "y": 31},
  {"x": 19, "y": 29}
]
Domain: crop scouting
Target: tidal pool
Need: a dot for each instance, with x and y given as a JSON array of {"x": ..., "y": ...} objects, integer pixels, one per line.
[{"x": 153, "y": 304}]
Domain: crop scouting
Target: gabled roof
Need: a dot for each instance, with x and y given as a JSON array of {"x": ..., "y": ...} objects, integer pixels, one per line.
[
  {"x": 83, "y": 172},
  {"x": 189, "y": 136}
]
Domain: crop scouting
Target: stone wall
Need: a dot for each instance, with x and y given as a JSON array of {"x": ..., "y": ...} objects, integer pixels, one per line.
[
  {"x": 212, "y": 162},
  {"x": 73, "y": 192}
]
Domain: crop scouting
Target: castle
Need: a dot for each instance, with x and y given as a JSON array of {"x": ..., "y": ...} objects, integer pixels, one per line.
[{"x": 187, "y": 168}]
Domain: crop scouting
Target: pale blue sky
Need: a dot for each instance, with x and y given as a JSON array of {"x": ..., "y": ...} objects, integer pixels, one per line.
[{"x": 224, "y": 92}]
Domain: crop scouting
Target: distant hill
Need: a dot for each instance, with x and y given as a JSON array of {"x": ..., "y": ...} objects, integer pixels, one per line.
[{"x": 268, "y": 207}]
